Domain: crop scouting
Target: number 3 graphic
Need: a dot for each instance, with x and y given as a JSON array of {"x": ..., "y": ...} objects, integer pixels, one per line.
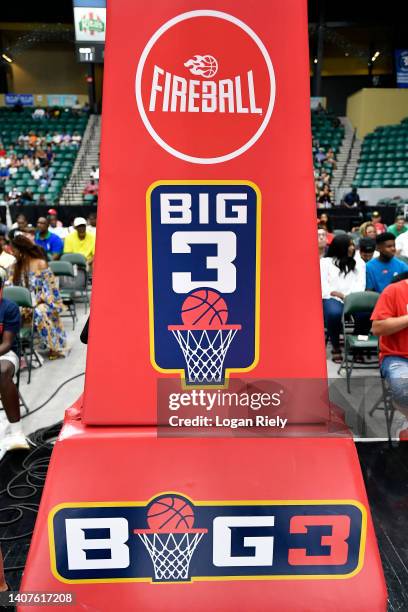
[
  {"x": 222, "y": 262},
  {"x": 337, "y": 540}
]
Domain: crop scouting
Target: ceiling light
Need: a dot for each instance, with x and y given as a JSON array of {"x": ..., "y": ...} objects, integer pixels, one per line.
[
  {"x": 6, "y": 57},
  {"x": 376, "y": 54},
  {"x": 315, "y": 60}
]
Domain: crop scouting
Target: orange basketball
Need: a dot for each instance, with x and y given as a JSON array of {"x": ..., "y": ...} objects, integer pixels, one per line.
[
  {"x": 204, "y": 309},
  {"x": 170, "y": 513}
]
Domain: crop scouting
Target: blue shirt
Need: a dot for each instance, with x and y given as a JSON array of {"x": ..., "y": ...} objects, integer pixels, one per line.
[
  {"x": 9, "y": 321},
  {"x": 51, "y": 243},
  {"x": 379, "y": 274}
]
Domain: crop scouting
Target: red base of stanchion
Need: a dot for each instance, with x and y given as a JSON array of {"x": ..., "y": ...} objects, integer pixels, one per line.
[{"x": 102, "y": 470}]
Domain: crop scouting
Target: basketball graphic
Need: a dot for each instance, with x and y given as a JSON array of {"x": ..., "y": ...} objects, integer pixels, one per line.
[
  {"x": 170, "y": 513},
  {"x": 204, "y": 309},
  {"x": 203, "y": 65}
]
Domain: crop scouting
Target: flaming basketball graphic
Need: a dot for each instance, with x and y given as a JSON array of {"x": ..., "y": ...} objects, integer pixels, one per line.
[{"x": 202, "y": 65}]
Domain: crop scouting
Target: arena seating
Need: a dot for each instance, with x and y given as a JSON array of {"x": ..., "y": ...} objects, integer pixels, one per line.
[
  {"x": 384, "y": 157},
  {"x": 328, "y": 133},
  {"x": 15, "y": 125}
]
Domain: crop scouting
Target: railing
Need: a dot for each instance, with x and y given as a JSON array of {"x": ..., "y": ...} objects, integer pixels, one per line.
[
  {"x": 343, "y": 176},
  {"x": 80, "y": 170}
]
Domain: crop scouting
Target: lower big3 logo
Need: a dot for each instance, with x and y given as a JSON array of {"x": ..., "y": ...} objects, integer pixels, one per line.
[{"x": 171, "y": 539}]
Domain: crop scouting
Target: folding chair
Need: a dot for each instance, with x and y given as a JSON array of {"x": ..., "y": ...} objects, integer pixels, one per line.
[
  {"x": 82, "y": 277},
  {"x": 359, "y": 302},
  {"x": 386, "y": 404},
  {"x": 64, "y": 269}
]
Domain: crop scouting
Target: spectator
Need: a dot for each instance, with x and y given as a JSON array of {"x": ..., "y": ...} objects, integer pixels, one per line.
[
  {"x": 6, "y": 260},
  {"x": 398, "y": 226},
  {"x": 94, "y": 173},
  {"x": 322, "y": 240},
  {"x": 325, "y": 196},
  {"x": 366, "y": 250},
  {"x": 39, "y": 113},
  {"x": 91, "y": 188},
  {"x": 401, "y": 244},
  {"x": 352, "y": 199},
  {"x": 51, "y": 243},
  {"x": 31, "y": 271},
  {"x": 367, "y": 230},
  {"x": 80, "y": 241},
  {"x": 42, "y": 201},
  {"x": 91, "y": 227},
  {"x": 9, "y": 362},
  {"x": 340, "y": 275},
  {"x": 390, "y": 323},
  {"x": 325, "y": 222},
  {"x": 382, "y": 269},
  {"x": 20, "y": 225},
  {"x": 377, "y": 221},
  {"x": 56, "y": 226}
]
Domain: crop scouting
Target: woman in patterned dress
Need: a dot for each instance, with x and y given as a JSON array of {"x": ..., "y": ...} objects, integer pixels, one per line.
[{"x": 31, "y": 271}]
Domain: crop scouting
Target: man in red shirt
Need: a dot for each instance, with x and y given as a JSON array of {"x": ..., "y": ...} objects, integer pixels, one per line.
[{"x": 390, "y": 323}]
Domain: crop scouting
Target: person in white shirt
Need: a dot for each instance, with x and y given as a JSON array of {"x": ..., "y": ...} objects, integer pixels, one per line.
[
  {"x": 94, "y": 173},
  {"x": 340, "y": 275},
  {"x": 6, "y": 260},
  {"x": 401, "y": 244}
]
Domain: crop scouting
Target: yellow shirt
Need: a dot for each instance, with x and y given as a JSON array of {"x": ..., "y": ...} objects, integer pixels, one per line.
[{"x": 86, "y": 247}]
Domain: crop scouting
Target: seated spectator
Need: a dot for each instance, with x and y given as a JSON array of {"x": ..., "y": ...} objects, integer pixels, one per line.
[
  {"x": 56, "y": 226},
  {"x": 91, "y": 226},
  {"x": 377, "y": 221},
  {"x": 367, "y": 230},
  {"x": 80, "y": 241},
  {"x": 366, "y": 250},
  {"x": 42, "y": 200},
  {"x": 91, "y": 188},
  {"x": 398, "y": 226},
  {"x": 37, "y": 173},
  {"x": 27, "y": 196},
  {"x": 94, "y": 173},
  {"x": 20, "y": 225},
  {"x": 352, "y": 199},
  {"x": 401, "y": 244},
  {"x": 340, "y": 275},
  {"x": 51, "y": 243},
  {"x": 324, "y": 221},
  {"x": 39, "y": 113},
  {"x": 9, "y": 362},
  {"x": 322, "y": 240},
  {"x": 6, "y": 260},
  {"x": 381, "y": 270},
  {"x": 320, "y": 155},
  {"x": 76, "y": 138},
  {"x": 325, "y": 196},
  {"x": 31, "y": 271},
  {"x": 390, "y": 323}
]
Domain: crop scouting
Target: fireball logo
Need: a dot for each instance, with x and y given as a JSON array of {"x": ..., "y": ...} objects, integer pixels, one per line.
[{"x": 203, "y": 65}]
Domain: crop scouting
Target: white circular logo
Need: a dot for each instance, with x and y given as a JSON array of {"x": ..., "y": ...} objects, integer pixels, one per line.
[{"x": 191, "y": 114}]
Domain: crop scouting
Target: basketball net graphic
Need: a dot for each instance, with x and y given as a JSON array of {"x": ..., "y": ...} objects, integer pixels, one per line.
[
  {"x": 204, "y": 337},
  {"x": 170, "y": 539}
]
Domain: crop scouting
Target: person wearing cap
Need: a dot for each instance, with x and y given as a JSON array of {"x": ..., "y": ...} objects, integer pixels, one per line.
[
  {"x": 377, "y": 222},
  {"x": 51, "y": 243},
  {"x": 56, "y": 226},
  {"x": 80, "y": 241},
  {"x": 366, "y": 250}
]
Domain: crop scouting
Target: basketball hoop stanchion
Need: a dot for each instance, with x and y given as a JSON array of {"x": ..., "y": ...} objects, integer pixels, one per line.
[
  {"x": 171, "y": 551},
  {"x": 204, "y": 351},
  {"x": 210, "y": 94}
]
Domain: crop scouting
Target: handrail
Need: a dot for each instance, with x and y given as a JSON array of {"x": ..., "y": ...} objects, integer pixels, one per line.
[{"x": 348, "y": 159}]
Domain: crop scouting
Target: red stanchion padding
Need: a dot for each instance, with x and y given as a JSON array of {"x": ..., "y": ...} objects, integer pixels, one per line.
[
  {"x": 131, "y": 521},
  {"x": 206, "y": 146}
]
